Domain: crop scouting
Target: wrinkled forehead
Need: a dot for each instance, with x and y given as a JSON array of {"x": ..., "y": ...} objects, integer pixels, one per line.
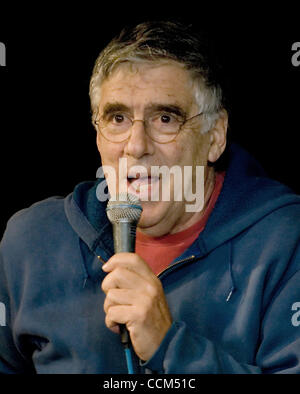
[
  {"x": 157, "y": 72},
  {"x": 141, "y": 83}
]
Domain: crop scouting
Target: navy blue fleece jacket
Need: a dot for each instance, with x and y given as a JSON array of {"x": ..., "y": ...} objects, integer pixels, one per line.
[{"x": 234, "y": 295}]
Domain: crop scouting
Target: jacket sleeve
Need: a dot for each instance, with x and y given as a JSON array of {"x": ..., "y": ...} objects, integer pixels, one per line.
[
  {"x": 11, "y": 360},
  {"x": 278, "y": 351}
]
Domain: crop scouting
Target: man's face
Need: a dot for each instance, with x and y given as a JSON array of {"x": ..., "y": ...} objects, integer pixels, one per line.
[{"x": 139, "y": 89}]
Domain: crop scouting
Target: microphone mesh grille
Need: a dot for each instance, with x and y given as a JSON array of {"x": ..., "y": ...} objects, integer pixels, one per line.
[{"x": 126, "y": 207}]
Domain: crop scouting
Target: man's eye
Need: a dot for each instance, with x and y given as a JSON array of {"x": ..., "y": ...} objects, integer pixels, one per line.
[
  {"x": 118, "y": 118},
  {"x": 166, "y": 118}
]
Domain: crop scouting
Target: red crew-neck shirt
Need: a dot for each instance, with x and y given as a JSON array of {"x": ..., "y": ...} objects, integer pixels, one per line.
[{"x": 159, "y": 252}]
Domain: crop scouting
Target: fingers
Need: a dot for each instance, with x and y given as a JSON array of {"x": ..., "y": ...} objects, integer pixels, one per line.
[
  {"x": 128, "y": 314},
  {"x": 129, "y": 261},
  {"x": 117, "y": 314},
  {"x": 126, "y": 306},
  {"x": 127, "y": 298},
  {"x": 122, "y": 278},
  {"x": 119, "y": 297},
  {"x": 129, "y": 271}
]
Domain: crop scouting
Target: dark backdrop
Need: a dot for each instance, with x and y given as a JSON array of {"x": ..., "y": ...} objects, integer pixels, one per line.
[{"x": 47, "y": 140}]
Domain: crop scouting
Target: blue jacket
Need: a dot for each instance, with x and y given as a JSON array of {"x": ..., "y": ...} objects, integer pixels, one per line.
[{"x": 234, "y": 295}]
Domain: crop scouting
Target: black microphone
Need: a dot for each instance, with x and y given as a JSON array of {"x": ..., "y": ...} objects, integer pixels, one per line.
[{"x": 124, "y": 213}]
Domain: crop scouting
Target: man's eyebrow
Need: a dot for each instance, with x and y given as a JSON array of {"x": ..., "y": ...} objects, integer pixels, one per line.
[
  {"x": 114, "y": 107},
  {"x": 170, "y": 108},
  {"x": 110, "y": 108}
]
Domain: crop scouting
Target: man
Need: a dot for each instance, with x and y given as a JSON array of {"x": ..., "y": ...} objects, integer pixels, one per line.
[{"x": 213, "y": 289}]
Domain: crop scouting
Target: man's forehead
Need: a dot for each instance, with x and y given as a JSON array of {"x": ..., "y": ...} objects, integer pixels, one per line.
[
  {"x": 167, "y": 75},
  {"x": 167, "y": 84},
  {"x": 134, "y": 68}
]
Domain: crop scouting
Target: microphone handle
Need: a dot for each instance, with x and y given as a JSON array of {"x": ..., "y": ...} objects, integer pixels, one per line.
[
  {"x": 124, "y": 236},
  {"x": 124, "y": 233}
]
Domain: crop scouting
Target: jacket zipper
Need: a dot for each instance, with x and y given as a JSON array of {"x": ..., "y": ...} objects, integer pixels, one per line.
[
  {"x": 170, "y": 267},
  {"x": 101, "y": 259}
]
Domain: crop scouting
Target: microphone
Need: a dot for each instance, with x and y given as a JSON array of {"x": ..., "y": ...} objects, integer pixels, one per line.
[{"x": 124, "y": 213}]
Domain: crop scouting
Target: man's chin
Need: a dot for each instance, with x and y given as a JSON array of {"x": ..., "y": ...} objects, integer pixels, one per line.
[{"x": 154, "y": 212}]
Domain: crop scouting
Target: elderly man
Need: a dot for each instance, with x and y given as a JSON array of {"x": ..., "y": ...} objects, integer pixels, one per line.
[{"x": 209, "y": 290}]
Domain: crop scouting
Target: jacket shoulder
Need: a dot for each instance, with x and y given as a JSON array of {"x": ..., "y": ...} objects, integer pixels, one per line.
[{"x": 32, "y": 221}]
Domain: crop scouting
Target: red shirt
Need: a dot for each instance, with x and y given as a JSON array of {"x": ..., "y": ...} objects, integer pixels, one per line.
[{"x": 159, "y": 252}]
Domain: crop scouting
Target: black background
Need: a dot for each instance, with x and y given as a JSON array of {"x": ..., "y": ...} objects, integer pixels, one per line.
[{"x": 47, "y": 140}]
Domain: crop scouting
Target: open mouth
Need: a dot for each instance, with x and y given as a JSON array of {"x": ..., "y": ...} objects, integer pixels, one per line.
[
  {"x": 142, "y": 185},
  {"x": 143, "y": 179}
]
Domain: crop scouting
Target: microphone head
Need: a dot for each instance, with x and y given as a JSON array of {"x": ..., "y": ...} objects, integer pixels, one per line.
[{"x": 125, "y": 208}]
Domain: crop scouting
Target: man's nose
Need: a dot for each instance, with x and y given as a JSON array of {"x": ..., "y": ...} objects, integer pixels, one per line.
[{"x": 138, "y": 143}]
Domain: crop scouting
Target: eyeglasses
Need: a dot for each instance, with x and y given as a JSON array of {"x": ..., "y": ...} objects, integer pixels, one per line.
[{"x": 161, "y": 127}]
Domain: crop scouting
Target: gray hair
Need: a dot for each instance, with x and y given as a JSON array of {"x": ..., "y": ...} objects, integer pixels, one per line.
[{"x": 160, "y": 42}]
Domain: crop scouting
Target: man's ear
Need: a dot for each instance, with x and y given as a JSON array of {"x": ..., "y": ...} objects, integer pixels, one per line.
[{"x": 218, "y": 135}]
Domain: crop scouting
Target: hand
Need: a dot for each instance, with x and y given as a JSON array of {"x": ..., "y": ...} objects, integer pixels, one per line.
[{"x": 135, "y": 297}]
